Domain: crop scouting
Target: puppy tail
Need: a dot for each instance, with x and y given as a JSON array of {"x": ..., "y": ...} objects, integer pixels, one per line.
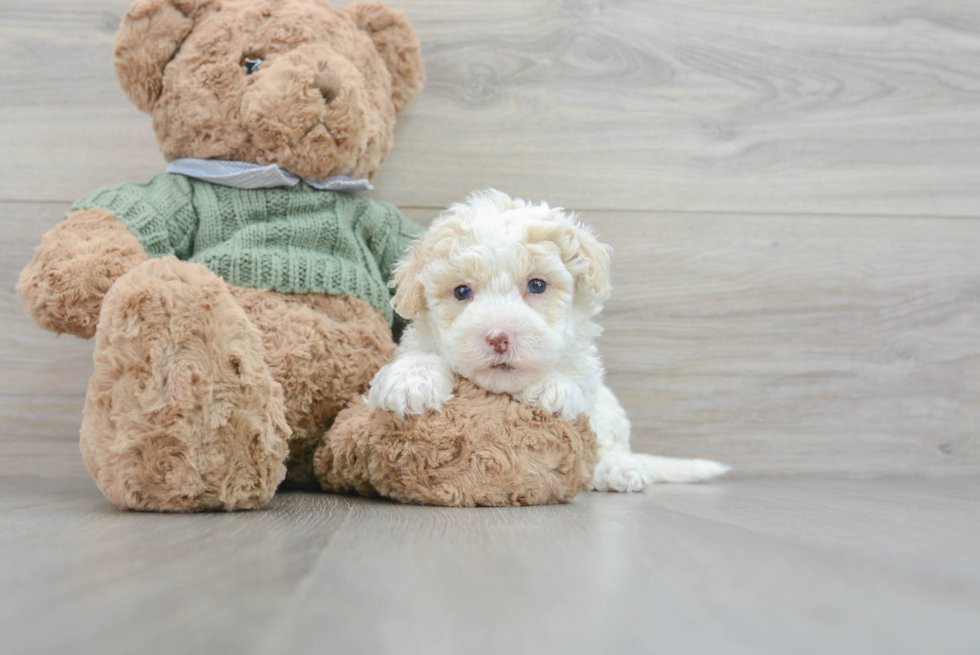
[{"x": 670, "y": 469}]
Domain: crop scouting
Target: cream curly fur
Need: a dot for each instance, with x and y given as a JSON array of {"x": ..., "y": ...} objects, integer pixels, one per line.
[{"x": 505, "y": 338}]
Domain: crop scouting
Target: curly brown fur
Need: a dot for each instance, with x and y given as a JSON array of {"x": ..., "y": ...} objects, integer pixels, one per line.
[
  {"x": 323, "y": 350},
  {"x": 73, "y": 268},
  {"x": 322, "y": 103},
  {"x": 155, "y": 30},
  {"x": 182, "y": 413},
  {"x": 481, "y": 449}
]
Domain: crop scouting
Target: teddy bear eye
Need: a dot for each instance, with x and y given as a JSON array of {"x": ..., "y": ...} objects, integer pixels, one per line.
[
  {"x": 250, "y": 64},
  {"x": 536, "y": 286},
  {"x": 463, "y": 292}
]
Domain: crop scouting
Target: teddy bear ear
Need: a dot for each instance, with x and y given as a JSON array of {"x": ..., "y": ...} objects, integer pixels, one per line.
[
  {"x": 149, "y": 36},
  {"x": 396, "y": 42}
]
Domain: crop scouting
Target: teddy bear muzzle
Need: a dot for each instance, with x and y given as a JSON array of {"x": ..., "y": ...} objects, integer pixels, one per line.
[{"x": 300, "y": 114}]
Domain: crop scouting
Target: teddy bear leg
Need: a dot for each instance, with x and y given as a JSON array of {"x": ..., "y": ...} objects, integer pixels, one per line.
[
  {"x": 480, "y": 449},
  {"x": 182, "y": 412},
  {"x": 323, "y": 350},
  {"x": 77, "y": 262}
]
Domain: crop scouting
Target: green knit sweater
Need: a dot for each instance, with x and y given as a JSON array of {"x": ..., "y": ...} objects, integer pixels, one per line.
[{"x": 288, "y": 239}]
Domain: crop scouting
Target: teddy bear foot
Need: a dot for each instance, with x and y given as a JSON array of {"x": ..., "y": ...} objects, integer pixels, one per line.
[
  {"x": 182, "y": 412},
  {"x": 481, "y": 449}
]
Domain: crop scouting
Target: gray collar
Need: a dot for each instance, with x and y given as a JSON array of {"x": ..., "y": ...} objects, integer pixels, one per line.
[{"x": 244, "y": 175}]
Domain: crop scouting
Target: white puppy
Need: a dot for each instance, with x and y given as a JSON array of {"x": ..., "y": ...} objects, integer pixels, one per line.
[{"x": 504, "y": 293}]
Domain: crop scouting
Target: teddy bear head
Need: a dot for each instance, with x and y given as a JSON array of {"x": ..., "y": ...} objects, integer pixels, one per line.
[{"x": 295, "y": 83}]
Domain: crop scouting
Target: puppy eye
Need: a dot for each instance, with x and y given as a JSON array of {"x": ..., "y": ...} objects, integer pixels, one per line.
[
  {"x": 463, "y": 292},
  {"x": 536, "y": 286},
  {"x": 250, "y": 64}
]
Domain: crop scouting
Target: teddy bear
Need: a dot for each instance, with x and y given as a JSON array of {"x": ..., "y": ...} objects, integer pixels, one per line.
[{"x": 239, "y": 300}]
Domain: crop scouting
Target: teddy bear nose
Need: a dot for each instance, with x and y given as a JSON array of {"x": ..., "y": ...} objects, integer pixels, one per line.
[
  {"x": 328, "y": 84},
  {"x": 499, "y": 341}
]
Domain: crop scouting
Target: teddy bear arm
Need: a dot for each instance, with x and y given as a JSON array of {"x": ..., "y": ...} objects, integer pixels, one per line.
[
  {"x": 105, "y": 235},
  {"x": 74, "y": 266}
]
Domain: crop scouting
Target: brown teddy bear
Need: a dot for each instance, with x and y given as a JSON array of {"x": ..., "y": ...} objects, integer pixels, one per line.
[{"x": 239, "y": 300}]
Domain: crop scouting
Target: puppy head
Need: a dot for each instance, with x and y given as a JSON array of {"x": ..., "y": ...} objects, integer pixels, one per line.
[{"x": 503, "y": 287}]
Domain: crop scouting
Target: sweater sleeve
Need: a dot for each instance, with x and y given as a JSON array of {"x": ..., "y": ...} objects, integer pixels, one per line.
[
  {"x": 391, "y": 250},
  {"x": 160, "y": 212},
  {"x": 393, "y": 244}
]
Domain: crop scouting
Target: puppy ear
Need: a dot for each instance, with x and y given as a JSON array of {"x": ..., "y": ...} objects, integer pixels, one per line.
[
  {"x": 410, "y": 294},
  {"x": 588, "y": 260},
  {"x": 396, "y": 42},
  {"x": 148, "y": 38}
]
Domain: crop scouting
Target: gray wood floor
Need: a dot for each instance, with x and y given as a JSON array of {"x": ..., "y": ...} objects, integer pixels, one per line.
[
  {"x": 785, "y": 565},
  {"x": 792, "y": 192}
]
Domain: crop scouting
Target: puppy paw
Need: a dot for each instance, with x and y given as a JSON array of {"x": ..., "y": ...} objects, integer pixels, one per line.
[
  {"x": 556, "y": 394},
  {"x": 412, "y": 385},
  {"x": 623, "y": 473}
]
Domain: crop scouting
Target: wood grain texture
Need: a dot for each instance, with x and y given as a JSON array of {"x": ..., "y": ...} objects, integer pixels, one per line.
[
  {"x": 798, "y": 344},
  {"x": 744, "y": 566},
  {"x": 758, "y": 106},
  {"x": 782, "y": 345}
]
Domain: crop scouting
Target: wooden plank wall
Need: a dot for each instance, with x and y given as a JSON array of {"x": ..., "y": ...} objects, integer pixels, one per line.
[{"x": 792, "y": 189}]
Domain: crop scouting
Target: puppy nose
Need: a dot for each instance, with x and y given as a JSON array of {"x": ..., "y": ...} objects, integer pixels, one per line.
[
  {"x": 499, "y": 341},
  {"x": 328, "y": 85}
]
